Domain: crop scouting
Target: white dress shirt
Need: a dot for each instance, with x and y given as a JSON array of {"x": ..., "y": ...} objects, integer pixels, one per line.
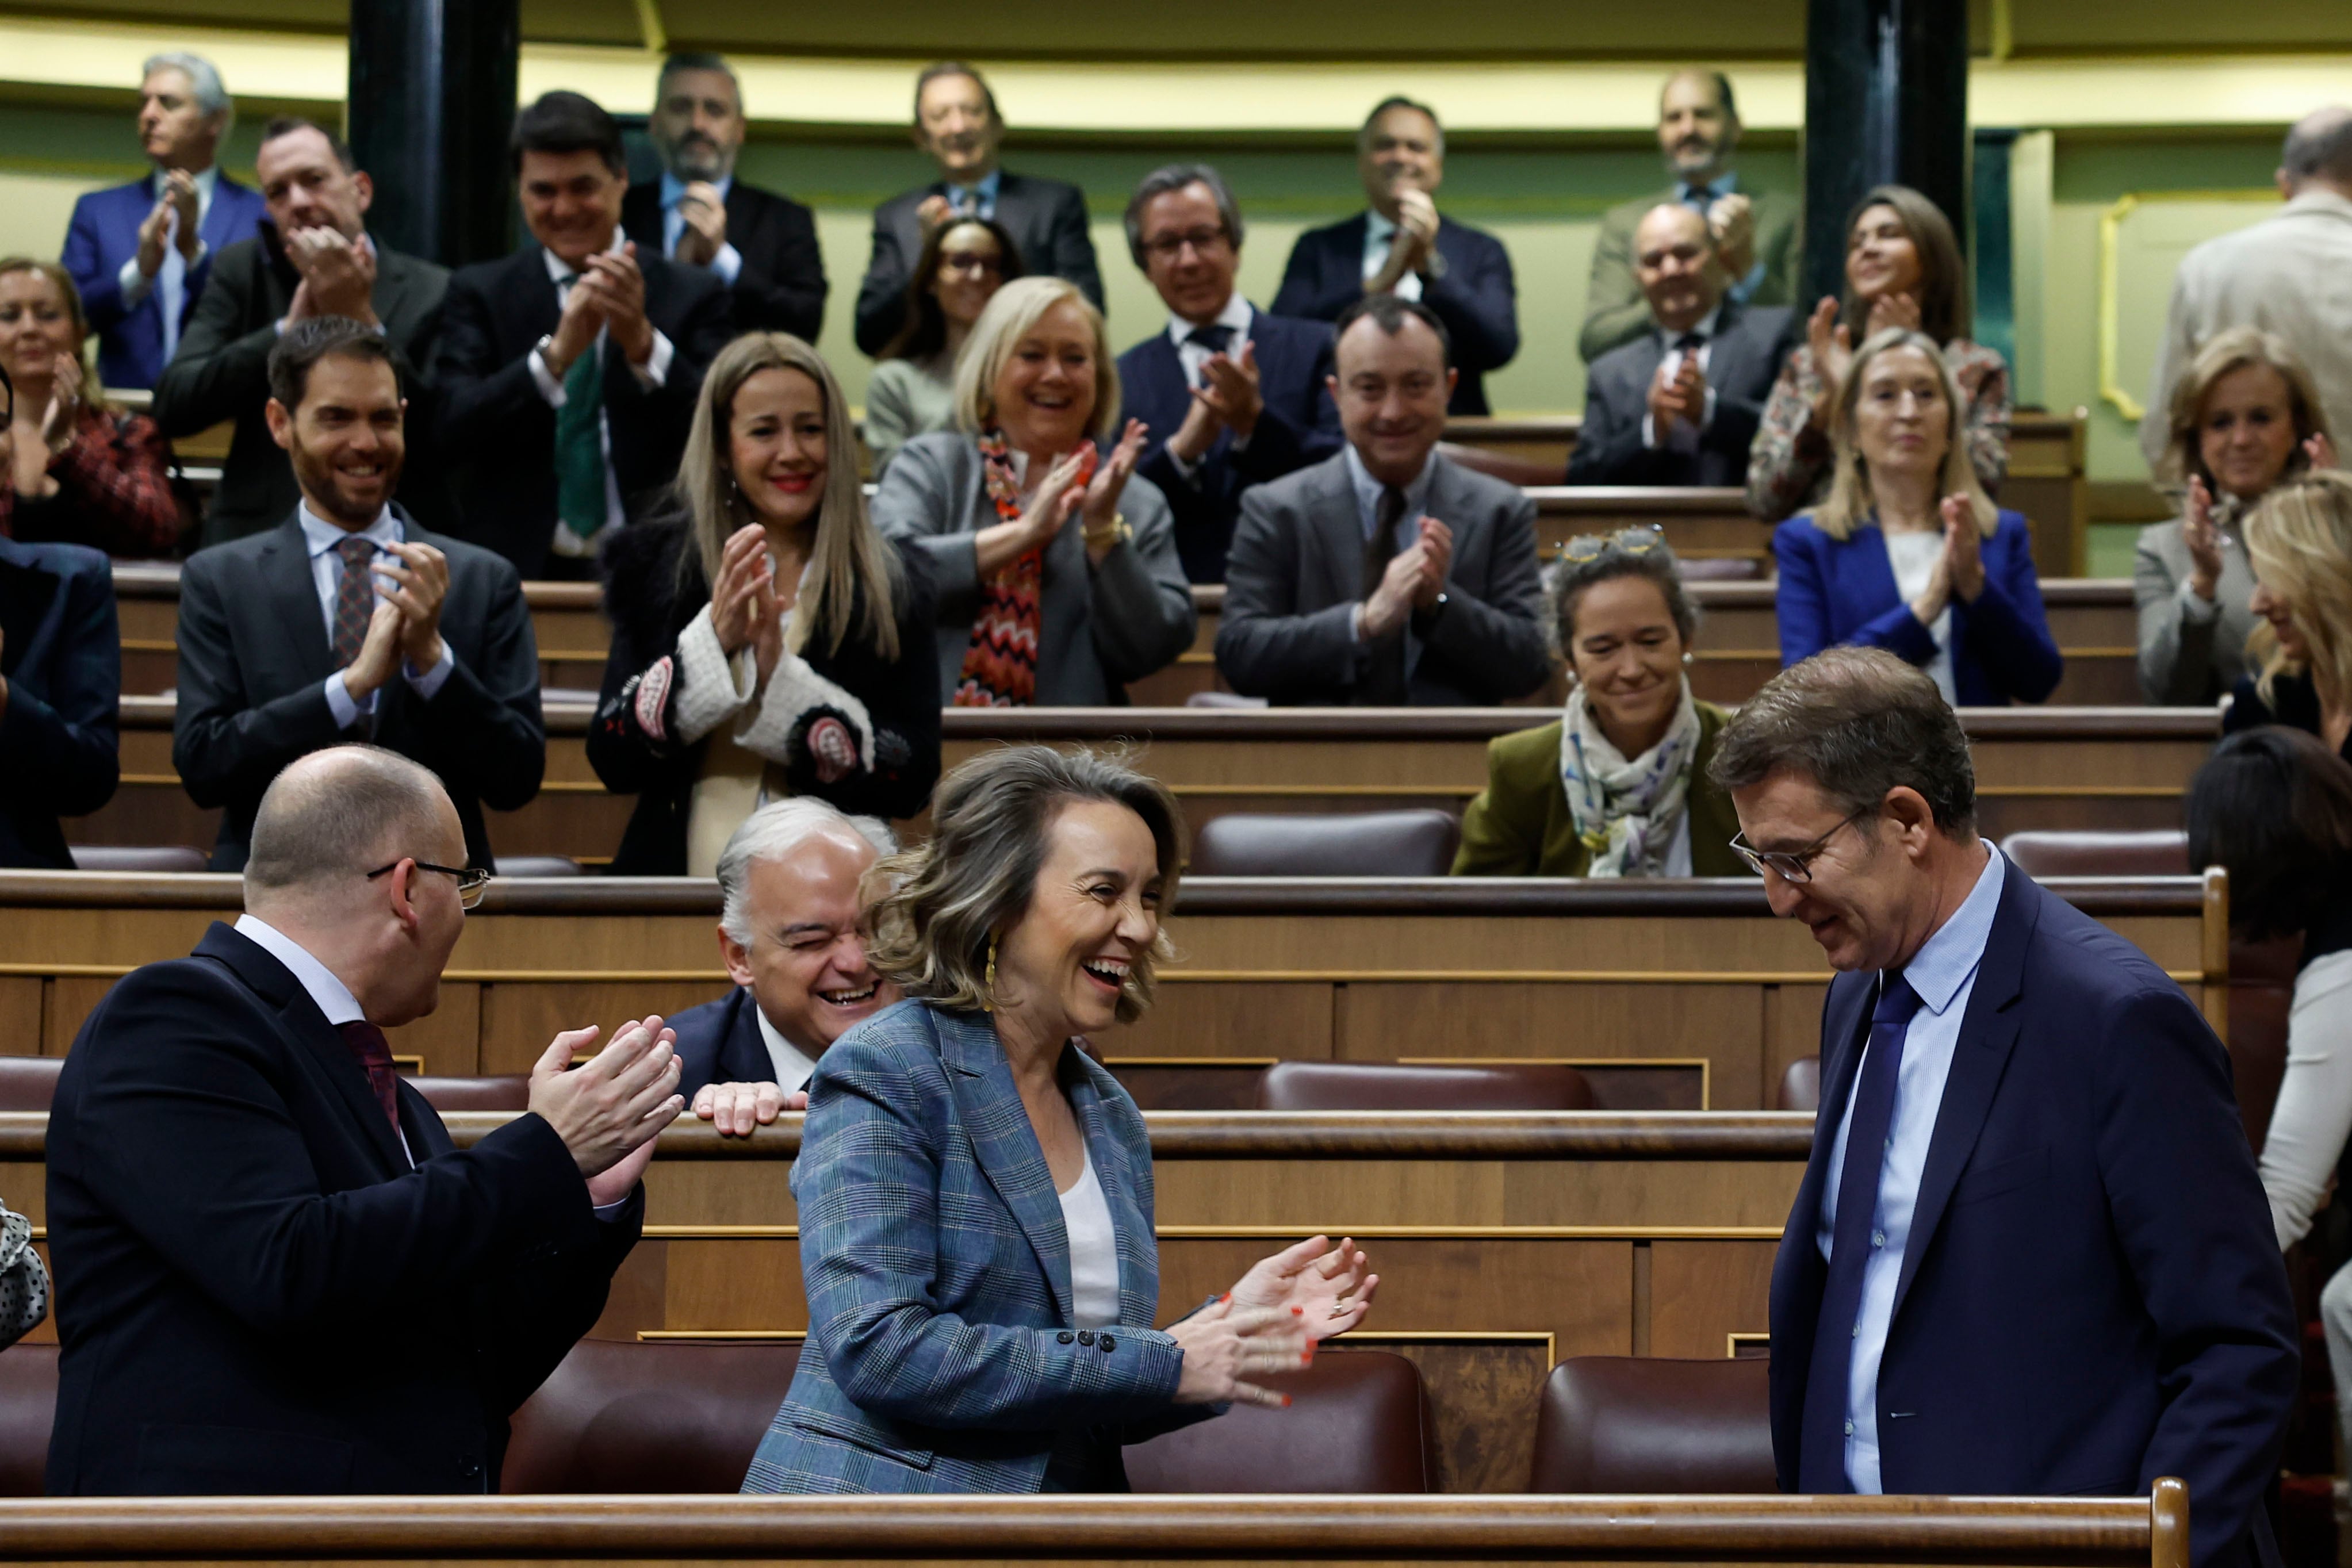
[
  {"x": 654, "y": 372},
  {"x": 727, "y": 261},
  {"x": 171, "y": 277},
  {"x": 1685, "y": 434},
  {"x": 334, "y": 998},
  {"x": 1943, "y": 974},
  {"x": 1195, "y": 357},
  {"x": 1380, "y": 234},
  {"x": 1913, "y": 557},
  {"x": 1094, "y": 1252},
  {"x": 321, "y": 538},
  {"x": 793, "y": 1069}
]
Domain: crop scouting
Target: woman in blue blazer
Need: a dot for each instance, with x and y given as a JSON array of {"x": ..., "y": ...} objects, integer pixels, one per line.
[
  {"x": 1909, "y": 553},
  {"x": 975, "y": 1192}
]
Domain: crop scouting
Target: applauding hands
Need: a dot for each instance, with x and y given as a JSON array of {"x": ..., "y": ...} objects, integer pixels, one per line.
[{"x": 1271, "y": 1321}]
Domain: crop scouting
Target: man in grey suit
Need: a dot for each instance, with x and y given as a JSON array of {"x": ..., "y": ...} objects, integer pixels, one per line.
[
  {"x": 956, "y": 123},
  {"x": 313, "y": 257},
  {"x": 1388, "y": 575},
  {"x": 1679, "y": 404},
  {"x": 1757, "y": 231}
]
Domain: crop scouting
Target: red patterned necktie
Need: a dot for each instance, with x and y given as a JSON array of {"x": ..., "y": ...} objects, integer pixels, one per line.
[
  {"x": 354, "y": 598},
  {"x": 374, "y": 1054}
]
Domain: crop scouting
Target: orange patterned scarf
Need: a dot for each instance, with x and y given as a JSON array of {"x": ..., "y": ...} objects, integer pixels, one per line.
[{"x": 1000, "y": 667}]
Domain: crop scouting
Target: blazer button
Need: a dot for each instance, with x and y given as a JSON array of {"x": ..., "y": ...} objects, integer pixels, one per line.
[
  {"x": 1065, "y": 1337},
  {"x": 1108, "y": 1344},
  {"x": 1085, "y": 1336}
]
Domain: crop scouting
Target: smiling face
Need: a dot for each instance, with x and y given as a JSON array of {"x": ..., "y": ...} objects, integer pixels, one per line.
[
  {"x": 2272, "y": 605},
  {"x": 1628, "y": 656},
  {"x": 1045, "y": 394},
  {"x": 345, "y": 441},
  {"x": 36, "y": 327},
  {"x": 173, "y": 132},
  {"x": 1696, "y": 132},
  {"x": 1674, "y": 259},
  {"x": 776, "y": 446},
  {"x": 972, "y": 269},
  {"x": 697, "y": 126},
  {"x": 306, "y": 186},
  {"x": 953, "y": 124},
  {"x": 1865, "y": 902},
  {"x": 1901, "y": 424},
  {"x": 572, "y": 202},
  {"x": 1881, "y": 258},
  {"x": 1188, "y": 253},
  {"x": 1392, "y": 389},
  {"x": 2245, "y": 431},
  {"x": 1092, "y": 918},
  {"x": 1400, "y": 152},
  {"x": 806, "y": 963}
]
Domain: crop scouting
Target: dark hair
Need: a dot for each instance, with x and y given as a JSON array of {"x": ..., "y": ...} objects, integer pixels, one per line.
[
  {"x": 938, "y": 69},
  {"x": 1945, "y": 312},
  {"x": 1722, "y": 84},
  {"x": 698, "y": 60},
  {"x": 1389, "y": 313},
  {"x": 1398, "y": 100},
  {"x": 2273, "y": 807},
  {"x": 924, "y": 331},
  {"x": 8, "y": 388},
  {"x": 288, "y": 124},
  {"x": 307, "y": 341},
  {"x": 2319, "y": 146},
  {"x": 568, "y": 123},
  {"x": 1858, "y": 721},
  {"x": 1175, "y": 177},
  {"x": 1572, "y": 580}
]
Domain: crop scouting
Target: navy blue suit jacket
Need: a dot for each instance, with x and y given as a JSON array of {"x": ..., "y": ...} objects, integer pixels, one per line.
[
  {"x": 1299, "y": 426},
  {"x": 1833, "y": 593},
  {"x": 719, "y": 1042},
  {"x": 1476, "y": 298},
  {"x": 62, "y": 656},
  {"x": 104, "y": 234},
  {"x": 2092, "y": 1296}
]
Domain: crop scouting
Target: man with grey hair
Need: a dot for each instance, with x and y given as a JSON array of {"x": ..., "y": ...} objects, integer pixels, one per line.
[
  {"x": 140, "y": 253},
  {"x": 791, "y": 933},
  {"x": 2287, "y": 273},
  {"x": 277, "y": 1272},
  {"x": 1232, "y": 396},
  {"x": 2029, "y": 1254}
]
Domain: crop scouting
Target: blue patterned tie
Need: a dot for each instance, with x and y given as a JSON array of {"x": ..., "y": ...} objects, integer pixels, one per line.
[{"x": 1821, "y": 1463}]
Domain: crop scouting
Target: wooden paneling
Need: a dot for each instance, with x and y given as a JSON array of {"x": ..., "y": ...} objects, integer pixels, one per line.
[
  {"x": 20, "y": 1015},
  {"x": 1701, "y": 1291}
]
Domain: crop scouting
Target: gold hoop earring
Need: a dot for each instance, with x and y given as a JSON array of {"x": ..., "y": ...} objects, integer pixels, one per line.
[{"x": 988, "y": 984}]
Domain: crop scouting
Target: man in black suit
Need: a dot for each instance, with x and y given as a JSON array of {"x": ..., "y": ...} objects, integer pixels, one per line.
[
  {"x": 762, "y": 245},
  {"x": 313, "y": 257},
  {"x": 348, "y": 621},
  {"x": 957, "y": 124},
  {"x": 1403, "y": 247},
  {"x": 284, "y": 1276},
  {"x": 60, "y": 691},
  {"x": 1388, "y": 575},
  {"x": 1232, "y": 396},
  {"x": 789, "y": 936},
  {"x": 568, "y": 371},
  {"x": 1679, "y": 404}
]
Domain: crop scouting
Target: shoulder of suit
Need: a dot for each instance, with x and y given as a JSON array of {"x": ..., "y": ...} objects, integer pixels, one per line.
[
  {"x": 488, "y": 276},
  {"x": 1526, "y": 757},
  {"x": 1333, "y": 233},
  {"x": 1480, "y": 490},
  {"x": 902, "y": 1041},
  {"x": 214, "y": 559},
  {"x": 1465, "y": 231},
  {"x": 710, "y": 1017},
  {"x": 1624, "y": 355},
  {"x": 1038, "y": 186},
  {"x": 1302, "y": 489},
  {"x": 400, "y": 264},
  {"x": 59, "y": 559}
]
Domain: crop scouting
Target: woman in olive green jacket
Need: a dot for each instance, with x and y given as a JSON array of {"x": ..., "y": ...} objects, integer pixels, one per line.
[{"x": 1619, "y": 786}]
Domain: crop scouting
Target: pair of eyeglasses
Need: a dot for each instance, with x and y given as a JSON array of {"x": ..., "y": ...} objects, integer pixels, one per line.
[
  {"x": 1168, "y": 248},
  {"x": 1793, "y": 865},
  {"x": 472, "y": 880},
  {"x": 1631, "y": 541}
]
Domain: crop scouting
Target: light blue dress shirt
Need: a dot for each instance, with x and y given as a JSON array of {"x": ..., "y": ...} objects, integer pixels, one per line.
[
  {"x": 1408, "y": 524},
  {"x": 321, "y": 538},
  {"x": 974, "y": 201},
  {"x": 1943, "y": 974},
  {"x": 727, "y": 262}
]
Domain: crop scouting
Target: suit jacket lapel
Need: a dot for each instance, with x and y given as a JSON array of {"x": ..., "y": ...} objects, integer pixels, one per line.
[
  {"x": 292, "y": 600},
  {"x": 1010, "y": 1156},
  {"x": 1341, "y": 527}
]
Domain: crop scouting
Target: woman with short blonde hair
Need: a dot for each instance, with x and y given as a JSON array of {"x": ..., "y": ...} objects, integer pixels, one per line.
[{"x": 2300, "y": 543}]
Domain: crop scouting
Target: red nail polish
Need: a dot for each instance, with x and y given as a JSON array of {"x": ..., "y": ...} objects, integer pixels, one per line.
[
  {"x": 1299, "y": 1311},
  {"x": 1285, "y": 1402},
  {"x": 1223, "y": 1298},
  {"x": 1307, "y": 1357}
]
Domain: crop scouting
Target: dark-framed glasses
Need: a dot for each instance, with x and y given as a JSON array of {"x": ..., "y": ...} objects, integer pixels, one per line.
[
  {"x": 1793, "y": 865},
  {"x": 1168, "y": 248},
  {"x": 1631, "y": 541},
  {"x": 472, "y": 879}
]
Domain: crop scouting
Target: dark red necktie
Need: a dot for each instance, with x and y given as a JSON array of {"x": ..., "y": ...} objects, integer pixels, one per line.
[{"x": 374, "y": 1054}]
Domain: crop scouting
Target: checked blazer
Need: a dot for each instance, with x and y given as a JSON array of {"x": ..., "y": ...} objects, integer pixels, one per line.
[{"x": 941, "y": 1354}]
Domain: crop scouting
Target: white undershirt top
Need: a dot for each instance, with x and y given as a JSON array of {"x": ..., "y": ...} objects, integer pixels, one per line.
[
  {"x": 2315, "y": 1098},
  {"x": 1913, "y": 556},
  {"x": 1094, "y": 1252}
]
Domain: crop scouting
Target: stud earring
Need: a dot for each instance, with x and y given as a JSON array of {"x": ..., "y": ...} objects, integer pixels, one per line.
[{"x": 1687, "y": 658}]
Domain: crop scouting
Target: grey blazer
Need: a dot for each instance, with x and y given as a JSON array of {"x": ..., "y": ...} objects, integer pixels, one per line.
[
  {"x": 1099, "y": 626},
  {"x": 1294, "y": 575},
  {"x": 2184, "y": 662}
]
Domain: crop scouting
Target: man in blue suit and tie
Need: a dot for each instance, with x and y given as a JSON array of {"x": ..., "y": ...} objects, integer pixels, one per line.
[
  {"x": 140, "y": 253},
  {"x": 1232, "y": 396},
  {"x": 2031, "y": 1254}
]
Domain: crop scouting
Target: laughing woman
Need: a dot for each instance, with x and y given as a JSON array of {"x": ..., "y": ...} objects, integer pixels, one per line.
[{"x": 975, "y": 1192}]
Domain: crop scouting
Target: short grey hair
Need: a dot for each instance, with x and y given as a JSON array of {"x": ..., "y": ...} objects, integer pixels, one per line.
[
  {"x": 698, "y": 60},
  {"x": 1858, "y": 721},
  {"x": 771, "y": 833},
  {"x": 936, "y": 929},
  {"x": 203, "y": 80},
  {"x": 337, "y": 813},
  {"x": 1175, "y": 177},
  {"x": 2319, "y": 147},
  {"x": 1398, "y": 100}
]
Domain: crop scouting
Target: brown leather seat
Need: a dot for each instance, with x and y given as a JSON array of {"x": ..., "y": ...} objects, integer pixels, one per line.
[
  {"x": 2056, "y": 853},
  {"x": 1419, "y": 843},
  {"x": 665, "y": 1416},
  {"x": 1395, "y": 1086},
  {"x": 29, "y": 1408},
  {"x": 492, "y": 1092},
  {"x": 29, "y": 1082},
  {"x": 138, "y": 857},
  {"x": 1800, "y": 1086},
  {"x": 1359, "y": 1422},
  {"x": 1644, "y": 1424}
]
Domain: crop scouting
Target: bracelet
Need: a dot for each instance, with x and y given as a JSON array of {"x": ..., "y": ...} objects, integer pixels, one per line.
[{"x": 1109, "y": 534}]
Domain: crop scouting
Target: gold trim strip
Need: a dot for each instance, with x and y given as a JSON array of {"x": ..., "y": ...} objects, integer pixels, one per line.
[
  {"x": 660, "y": 1336},
  {"x": 1191, "y": 1061},
  {"x": 1735, "y": 1338},
  {"x": 1294, "y": 1232},
  {"x": 2111, "y": 223},
  {"x": 1545, "y": 1337}
]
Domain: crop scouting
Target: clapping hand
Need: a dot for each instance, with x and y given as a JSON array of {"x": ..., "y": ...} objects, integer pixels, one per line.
[
  {"x": 1416, "y": 226},
  {"x": 576, "y": 328},
  {"x": 1892, "y": 311},
  {"x": 933, "y": 211},
  {"x": 1732, "y": 221},
  {"x": 1229, "y": 1348},
  {"x": 1435, "y": 545},
  {"x": 418, "y": 585},
  {"x": 1232, "y": 390},
  {"x": 65, "y": 404},
  {"x": 1329, "y": 1288},
  {"x": 1833, "y": 351},
  {"x": 378, "y": 653},
  {"x": 742, "y": 565},
  {"x": 619, "y": 285},
  {"x": 1679, "y": 398},
  {"x": 338, "y": 276},
  {"x": 1099, "y": 503},
  {"x": 2320, "y": 451},
  {"x": 609, "y": 1110},
  {"x": 1399, "y": 591},
  {"x": 2202, "y": 540},
  {"x": 705, "y": 229},
  {"x": 178, "y": 196},
  {"x": 1963, "y": 557}
]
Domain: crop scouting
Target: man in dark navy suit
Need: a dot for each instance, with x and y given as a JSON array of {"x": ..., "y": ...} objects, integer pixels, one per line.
[
  {"x": 1232, "y": 396},
  {"x": 1402, "y": 246},
  {"x": 2031, "y": 1254},
  {"x": 60, "y": 685},
  {"x": 788, "y": 929}
]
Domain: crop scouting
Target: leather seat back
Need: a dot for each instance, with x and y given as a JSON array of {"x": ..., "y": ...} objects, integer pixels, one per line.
[
  {"x": 29, "y": 1082},
  {"x": 1359, "y": 1422},
  {"x": 661, "y": 1417},
  {"x": 139, "y": 857},
  {"x": 29, "y": 1408},
  {"x": 2051, "y": 852},
  {"x": 1418, "y": 842},
  {"x": 1396, "y": 1086},
  {"x": 492, "y": 1092},
  {"x": 1648, "y": 1425},
  {"x": 1800, "y": 1086}
]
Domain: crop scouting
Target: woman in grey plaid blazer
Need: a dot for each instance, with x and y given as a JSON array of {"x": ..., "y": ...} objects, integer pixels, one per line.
[{"x": 975, "y": 1193}]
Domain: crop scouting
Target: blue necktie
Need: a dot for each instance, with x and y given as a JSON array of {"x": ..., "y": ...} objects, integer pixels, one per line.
[{"x": 1821, "y": 1463}]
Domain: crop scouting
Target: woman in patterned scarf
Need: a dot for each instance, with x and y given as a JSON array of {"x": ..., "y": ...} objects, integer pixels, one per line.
[
  {"x": 1058, "y": 579},
  {"x": 1619, "y": 786}
]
